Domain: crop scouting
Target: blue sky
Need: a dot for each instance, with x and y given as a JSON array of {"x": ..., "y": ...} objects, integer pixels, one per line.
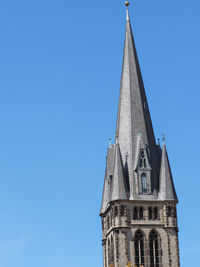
[{"x": 60, "y": 66}]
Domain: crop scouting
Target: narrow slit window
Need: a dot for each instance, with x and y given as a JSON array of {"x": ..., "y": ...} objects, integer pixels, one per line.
[
  {"x": 141, "y": 213},
  {"x": 135, "y": 213},
  {"x": 155, "y": 213},
  {"x": 116, "y": 211},
  {"x": 150, "y": 213}
]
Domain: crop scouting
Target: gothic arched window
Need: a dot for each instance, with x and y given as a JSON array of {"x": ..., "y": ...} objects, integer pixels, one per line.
[
  {"x": 144, "y": 183},
  {"x": 154, "y": 244},
  {"x": 139, "y": 248}
]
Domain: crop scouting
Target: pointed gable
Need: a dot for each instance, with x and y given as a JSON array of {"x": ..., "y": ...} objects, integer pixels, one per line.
[
  {"x": 167, "y": 189},
  {"x": 141, "y": 149}
]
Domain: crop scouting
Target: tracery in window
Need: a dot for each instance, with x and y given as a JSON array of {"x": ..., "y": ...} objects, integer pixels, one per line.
[
  {"x": 139, "y": 248},
  {"x": 142, "y": 159},
  {"x": 155, "y": 253}
]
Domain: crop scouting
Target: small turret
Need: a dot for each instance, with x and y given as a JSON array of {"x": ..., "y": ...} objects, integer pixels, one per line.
[
  {"x": 167, "y": 189},
  {"x": 119, "y": 187}
]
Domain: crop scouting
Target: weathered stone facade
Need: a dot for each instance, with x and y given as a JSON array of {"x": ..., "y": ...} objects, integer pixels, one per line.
[
  {"x": 120, "y": 228},
  {"x": 138, "y": 211}
]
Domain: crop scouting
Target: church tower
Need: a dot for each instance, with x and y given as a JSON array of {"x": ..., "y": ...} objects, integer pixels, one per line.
[{"x": 138, "y": 210}]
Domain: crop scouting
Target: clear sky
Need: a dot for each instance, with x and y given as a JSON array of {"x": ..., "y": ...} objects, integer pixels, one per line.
[{"x": 60, "y": 66}]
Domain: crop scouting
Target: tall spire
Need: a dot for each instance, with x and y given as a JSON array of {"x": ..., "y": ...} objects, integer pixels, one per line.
[
  {"x": 133, "y": 112},
  {"x": 139, "y": 194},
  {"x": 167, "y": 189}
]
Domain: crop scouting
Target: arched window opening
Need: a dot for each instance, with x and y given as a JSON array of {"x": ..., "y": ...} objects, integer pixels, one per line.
[
  {"x": 155, "y": 255},
  {"x": 144, "y": 183},
  {"x": 135, "y": 213},
  {"x": 139, "y": 248},
  {"x": 155, "y": 213},
  {"x": 150, "y": 213},
  {"x": 141, "y": 213}
]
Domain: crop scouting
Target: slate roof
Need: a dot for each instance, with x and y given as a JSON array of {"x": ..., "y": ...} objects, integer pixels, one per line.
[{"x": 134, "y": 131}]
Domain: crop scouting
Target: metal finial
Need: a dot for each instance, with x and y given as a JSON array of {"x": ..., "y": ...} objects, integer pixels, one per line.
[
  {"x": 163, "y": 137},
  {"x": 127, "y": 4}
]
